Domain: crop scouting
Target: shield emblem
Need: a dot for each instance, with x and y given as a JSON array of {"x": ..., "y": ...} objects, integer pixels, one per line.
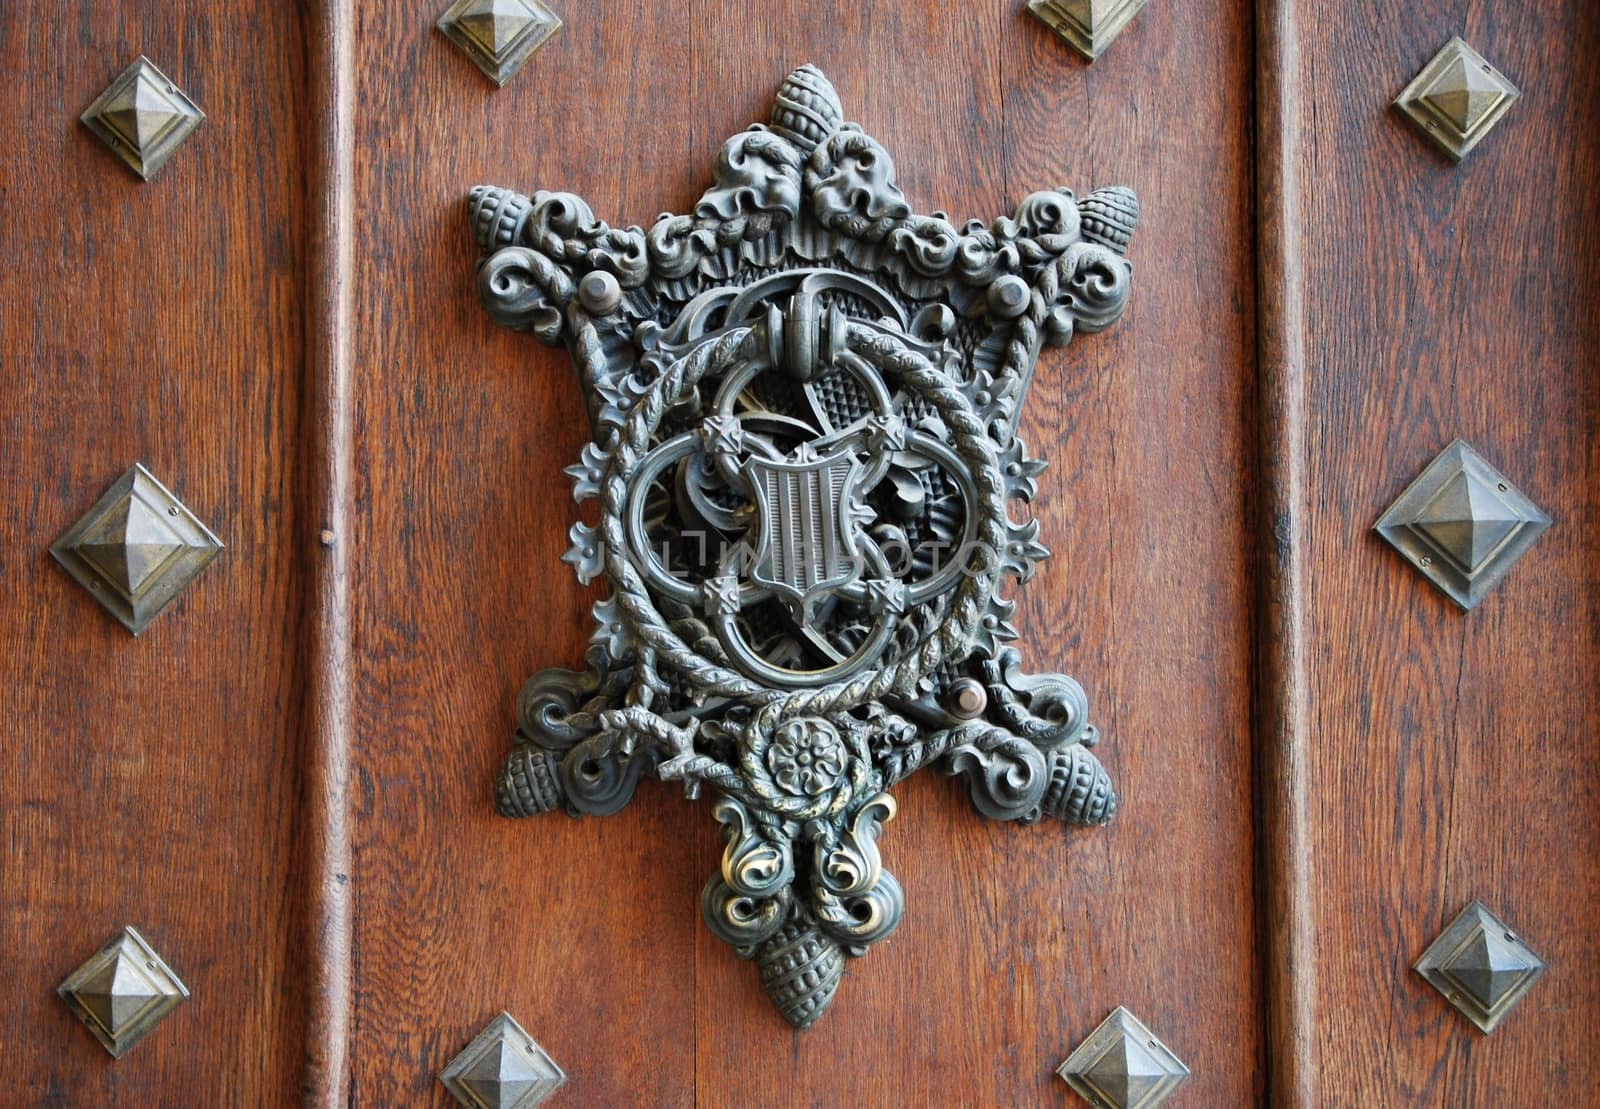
[{"x": 807, "y": 527}]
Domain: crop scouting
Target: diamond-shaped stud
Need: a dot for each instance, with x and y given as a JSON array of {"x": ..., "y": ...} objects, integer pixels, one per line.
[
  {"x": 136, "y": 548},
  {"x": 123, "y": 991},
  {"x": 143, "y": 116},
  {"x": 499, "y": 35},
  {"x": 503, "y": 1068},
  {"x": 1481, "y": 966},
  {"x": 1463, "y": 524},
  {"x": 1123, "y": 1066},
  {"x": 1457, "y": 99},
  {"x": 1088, "y": 26}
]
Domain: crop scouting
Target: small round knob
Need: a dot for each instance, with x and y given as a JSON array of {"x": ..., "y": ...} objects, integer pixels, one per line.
[
  {"x": 966, "y": 699},
  {"x": 1008, "y": 296},
  {"x": 599, "y": 293}
]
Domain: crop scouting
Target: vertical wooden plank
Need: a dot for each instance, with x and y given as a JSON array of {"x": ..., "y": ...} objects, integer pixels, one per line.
[
  {"x": 152, "y": 782},
  {"x": 324, "y": 851},
  {"x": 1147, "y": 505},
  {"x": 1286, "y": 923},
  {"x": 582, "y": 929},
  {"x": 1452, "y": 753}
]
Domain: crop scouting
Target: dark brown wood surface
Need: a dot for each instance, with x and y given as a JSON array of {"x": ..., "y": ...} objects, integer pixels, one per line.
[
  {"x": 152, "y": 782},
  {"x": 1017, "y": 941},
  {"x": 1452, "y": 754}
]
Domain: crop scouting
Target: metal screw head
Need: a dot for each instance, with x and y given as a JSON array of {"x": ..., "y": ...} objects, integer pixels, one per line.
[
  {"x": 599, "y": 293},
  {"x": 967, "y": 699},
  {"x": 1008, "y": 296}
]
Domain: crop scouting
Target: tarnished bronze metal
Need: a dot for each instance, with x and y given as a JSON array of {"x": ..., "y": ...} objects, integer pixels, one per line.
[
  {"x": 123, "y": 991},
  {"x": 143, "y": 116},
  {"x": 1481, "y": 966},
  {"x": 1088, "y": 26},
  {"x": 1457, "y": 99},
  {"x": 1123, "y": 1066},
  {"x": 502, "y": 1068},
  {"x": 136, "y": 549},
  {"x": 1463, "y": 524},
  {"x": 499, "y": 35},
  {"x": 803, "y": 401}
]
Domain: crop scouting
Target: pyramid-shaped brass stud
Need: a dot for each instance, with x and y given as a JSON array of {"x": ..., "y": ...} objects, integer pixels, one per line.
[
  {"x": 503, "y": 1068},
  {"x": 1123, "y": 1066},
  {"x": 1481, "y": 966},
  {"x": 1457, "y": 99},
  {"x": 499, "y": 35},
  {"x": 143, "y": 117},
  {"x": 123, "y": 991},
  {"x": 1088, "y": 26},
  {"x": 1463, "y": 524},
  {"x": 136, "y": 548}
]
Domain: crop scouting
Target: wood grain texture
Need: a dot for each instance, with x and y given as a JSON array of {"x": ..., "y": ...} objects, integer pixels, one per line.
[
  {"x": 150, "y": 782},
  {"x": 1286, "y": 919},
  {"x": 1452, "y": 754},
  {"x": 323, "y": 848},
  {"x": 1017, "y": 941}
]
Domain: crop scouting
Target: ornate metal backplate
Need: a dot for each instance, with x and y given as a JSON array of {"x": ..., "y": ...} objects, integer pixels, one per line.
[{"x": 804, "y": 405}]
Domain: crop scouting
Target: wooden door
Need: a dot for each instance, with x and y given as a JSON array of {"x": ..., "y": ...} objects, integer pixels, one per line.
[{"x": 287, "y": 782}]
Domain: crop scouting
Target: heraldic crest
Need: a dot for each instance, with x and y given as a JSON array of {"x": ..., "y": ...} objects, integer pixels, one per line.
[{"x": 804, "y": 402}]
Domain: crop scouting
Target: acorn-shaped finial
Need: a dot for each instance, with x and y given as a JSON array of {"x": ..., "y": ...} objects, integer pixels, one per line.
[
  {"x": 1080, "y": 789},
  {"x": 497, "y": 216},
  {"x": 1109, "y": 217},
  {"x": 529, "y": 783},
  {"x": 801, "y": 967},
  {"x": 807, "y": 110}
]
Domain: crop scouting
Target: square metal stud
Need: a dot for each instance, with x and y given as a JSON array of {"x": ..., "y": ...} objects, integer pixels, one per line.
[
  {"x": 1463, "y": 524},
  {"x": 1481, "y": 966},
  {"x": 136, "y": 548},
  {"x": 123, "y": 991},
  {"x": 499, "y": 35},
  {"x": 1123, "y": 1066},
  {"x": 143, "y": 116},
  {"x": 1088, "y": 26},
  {"x": 503, "y": 1068},
  {"x": 1457, "y": 99}
]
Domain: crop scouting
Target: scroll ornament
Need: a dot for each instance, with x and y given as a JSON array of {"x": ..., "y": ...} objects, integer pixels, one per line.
[{"x": 804, "y": 402}]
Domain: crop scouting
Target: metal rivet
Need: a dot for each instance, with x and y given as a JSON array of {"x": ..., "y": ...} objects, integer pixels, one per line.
[
  {"x": 1122, "y": 1065},
  {"x": 502, "y": 1068},
  {"x": 499, "y": 35},
  {"x": 123, "y": 991},
  {"x": 1463, "y": 524},
  {"x": 1480, "y": 967},
  {"x": 599, "y": 293},
  {"x": 141, "y": 544},
  {"x": 1088, "y": 26},
  {"x": 143, "y": 116},
  {"x": 1457, "y": 99},
  {"x": 1008, "y": 296},
  {"x": 967, "y": 698}
]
